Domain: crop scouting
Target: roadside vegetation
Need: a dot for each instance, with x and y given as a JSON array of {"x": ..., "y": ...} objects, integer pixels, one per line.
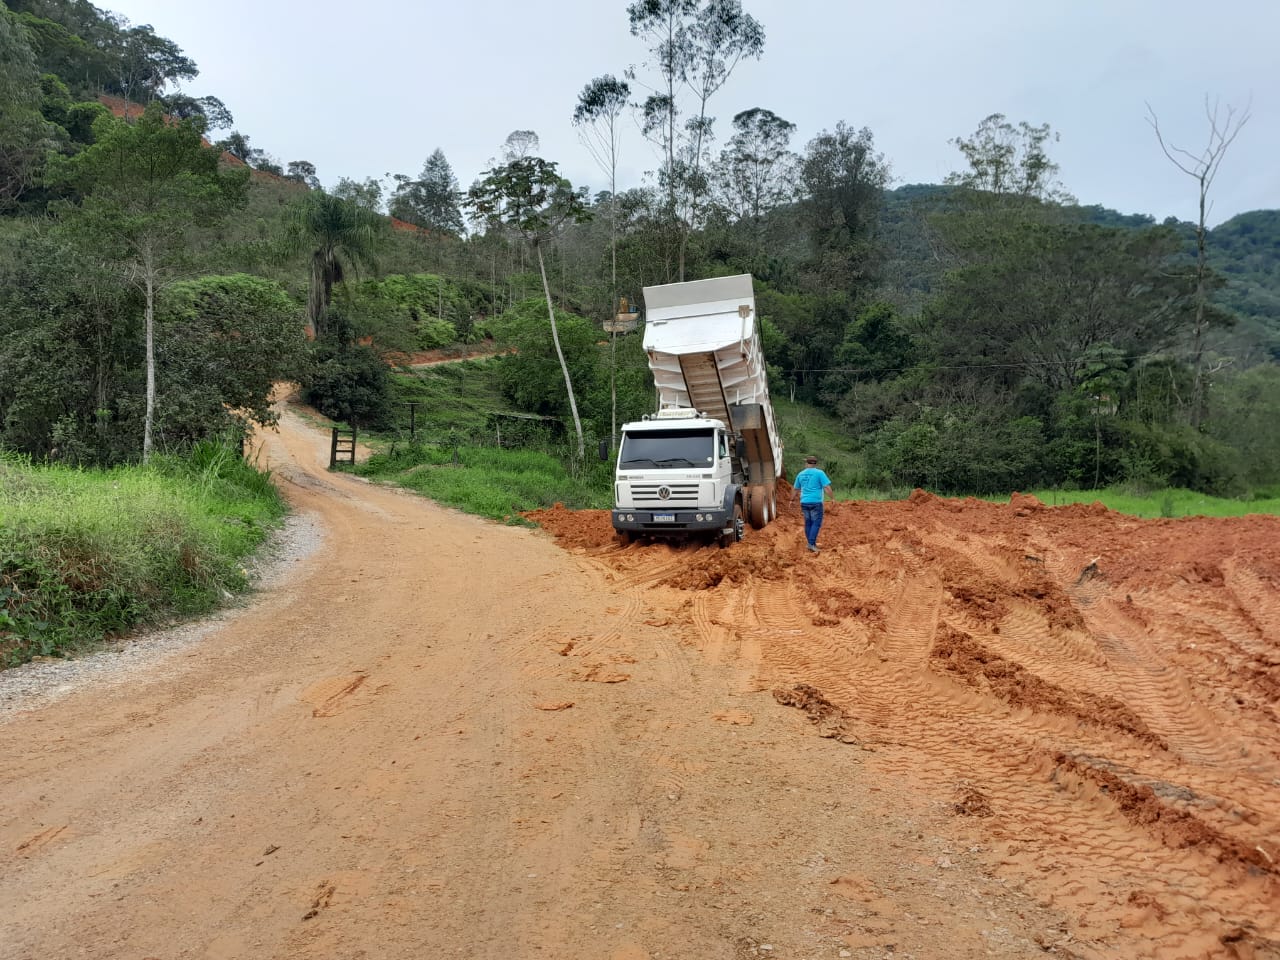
[
  {"x": 470, "y": 448},
  {"x": 985, "y": 334},
  {"x": 1162, "y": 503},
  {"x": 89, "y": 554}
]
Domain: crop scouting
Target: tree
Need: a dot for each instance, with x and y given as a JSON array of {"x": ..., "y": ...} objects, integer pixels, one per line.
[
  {"x": 1037, "y": 304},
  {"x": 147, "y": 186},
  {"x": 71, "y": 349},
  {"x": 431, "y": 201},
  {"x": 722, "y": 34},
  {"x": 1004, "y": 159},
  {"x": 339, "y": 236},
  {"x": 695, "y": 49},
  {"x": 226, "y": 341},
  {"x": 25, "y": 136},
  {"x": 664, "y": 25},
  {"x": 519, "y": 144},
  {"x": 304, "y": 172},
  {"x": 600, "y": 106},
  {"x": 147, "y": 63},
  {"x": 527, "y": 194},
  {"x": 214, "y": 111},
  {"x": 531, "y": 376},
  {"x": 843, "y": 180},
  {"x": 236, "y": 144},
  {"x": 757, "y": 171},
  {"x": 1202, "y": 168},
  {"x": 366, "y": 193}
]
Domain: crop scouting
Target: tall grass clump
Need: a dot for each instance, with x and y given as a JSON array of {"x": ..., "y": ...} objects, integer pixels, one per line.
[{"x": 87, "y": 554}]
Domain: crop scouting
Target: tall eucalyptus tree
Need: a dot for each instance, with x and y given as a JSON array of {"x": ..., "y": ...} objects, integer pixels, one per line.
[{"x": 528, "y": 195}]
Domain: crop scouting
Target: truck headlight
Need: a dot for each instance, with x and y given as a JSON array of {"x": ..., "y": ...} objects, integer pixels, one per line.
[
  {"x": 631, "y": 517},
  {"x": 699, "y": 517}
]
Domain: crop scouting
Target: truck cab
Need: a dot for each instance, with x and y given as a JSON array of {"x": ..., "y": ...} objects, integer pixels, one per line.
[{"x": 677, "y": 476}]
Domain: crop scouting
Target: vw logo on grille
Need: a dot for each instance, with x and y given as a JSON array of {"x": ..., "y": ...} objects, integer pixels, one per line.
[{"x": 664, "y": 493}]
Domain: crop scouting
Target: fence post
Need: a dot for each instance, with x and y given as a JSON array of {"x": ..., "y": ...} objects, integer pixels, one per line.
[
  {"x": 413, "y": 419},
  {"x": 333, "y": 449}
]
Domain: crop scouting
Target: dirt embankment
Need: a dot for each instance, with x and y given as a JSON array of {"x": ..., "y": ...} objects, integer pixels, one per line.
[{"x": 1097, "y": 697}]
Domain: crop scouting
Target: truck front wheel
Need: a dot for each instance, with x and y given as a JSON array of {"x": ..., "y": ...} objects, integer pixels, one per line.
[{"x": 735, "y": 533}]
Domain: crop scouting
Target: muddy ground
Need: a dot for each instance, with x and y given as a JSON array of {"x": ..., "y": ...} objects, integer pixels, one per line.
[{"x": 961, "y": 730}]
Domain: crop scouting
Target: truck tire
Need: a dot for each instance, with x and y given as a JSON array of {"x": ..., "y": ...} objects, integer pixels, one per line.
[
  {"x": 729, "y": 539},
  {"x": 626, "y": 537},
  {"x": 759, "y": 508}
]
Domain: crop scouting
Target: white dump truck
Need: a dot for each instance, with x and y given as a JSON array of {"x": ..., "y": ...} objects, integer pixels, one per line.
[{"x": 709, "y": 459}]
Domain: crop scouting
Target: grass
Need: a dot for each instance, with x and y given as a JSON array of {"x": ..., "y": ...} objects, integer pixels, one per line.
[
  {"x": 456, "y": 460},
  {"x": 451, "y": 397},
  {"x": 807, "y": 430},
  {"x": 87, "y": 554},
  {"x": 490, "y": 481},
  {"x": 1160, "y": 503}
]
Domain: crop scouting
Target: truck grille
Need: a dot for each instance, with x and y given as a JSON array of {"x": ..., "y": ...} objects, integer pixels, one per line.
[{"x": 646, "y": 494}]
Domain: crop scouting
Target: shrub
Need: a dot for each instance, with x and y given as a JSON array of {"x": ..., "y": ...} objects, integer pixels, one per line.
[{"x": 349, "y": 383}]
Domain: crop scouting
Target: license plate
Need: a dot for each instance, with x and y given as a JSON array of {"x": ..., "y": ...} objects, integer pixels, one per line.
[{"x": 664, "y": 518}]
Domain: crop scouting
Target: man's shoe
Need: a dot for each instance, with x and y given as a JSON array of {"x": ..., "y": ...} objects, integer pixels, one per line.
[{"x": 812, "y": 548}]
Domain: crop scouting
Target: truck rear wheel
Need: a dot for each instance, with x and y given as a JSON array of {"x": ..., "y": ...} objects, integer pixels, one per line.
[
  {"x": 759, "y": 508},
  {"x": 729, "y": 539}
]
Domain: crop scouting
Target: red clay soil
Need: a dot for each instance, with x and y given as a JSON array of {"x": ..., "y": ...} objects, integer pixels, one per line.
[
  {"x": 1093, "y": 696},
  {"x": 961, "y": 731},
  {"x": 434, "y": 358}
]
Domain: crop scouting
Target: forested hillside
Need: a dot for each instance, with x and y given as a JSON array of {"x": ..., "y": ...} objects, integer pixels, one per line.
[{"x": 987, "y": 333}]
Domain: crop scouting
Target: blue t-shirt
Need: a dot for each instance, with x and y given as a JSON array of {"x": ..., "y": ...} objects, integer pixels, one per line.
[{"x": 810, "y": 482}]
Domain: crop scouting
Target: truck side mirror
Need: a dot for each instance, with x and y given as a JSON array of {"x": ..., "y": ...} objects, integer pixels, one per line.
[{"x": 604, "y": 449}]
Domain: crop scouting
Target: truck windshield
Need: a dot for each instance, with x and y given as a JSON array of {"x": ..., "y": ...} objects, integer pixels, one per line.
[{"x": 667, "y": 448}]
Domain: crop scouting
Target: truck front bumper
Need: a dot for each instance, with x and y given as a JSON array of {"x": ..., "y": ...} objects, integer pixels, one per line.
[{"x": 671, "y": 523}]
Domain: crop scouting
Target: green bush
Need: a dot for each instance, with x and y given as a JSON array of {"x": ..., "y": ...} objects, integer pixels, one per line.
[
  {"x": 349, "y": 383},
  {"x": 532, "y": 379}
]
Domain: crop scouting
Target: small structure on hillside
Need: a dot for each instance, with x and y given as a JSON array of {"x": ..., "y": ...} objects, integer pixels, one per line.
[{"x": 625, "y": 320}]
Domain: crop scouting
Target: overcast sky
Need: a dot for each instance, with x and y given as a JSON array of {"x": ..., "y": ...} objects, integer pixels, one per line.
[{"x": 365, "y": 89}]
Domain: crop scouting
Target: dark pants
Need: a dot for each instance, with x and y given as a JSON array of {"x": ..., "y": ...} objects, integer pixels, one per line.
[{"x": 812, "y": 521}]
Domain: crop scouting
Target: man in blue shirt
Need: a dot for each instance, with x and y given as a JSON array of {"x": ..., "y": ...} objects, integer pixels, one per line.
[{"x": 813, "y": 486}]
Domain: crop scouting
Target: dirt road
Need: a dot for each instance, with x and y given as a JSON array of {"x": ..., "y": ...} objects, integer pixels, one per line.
[{"x": 951, "y": 734}]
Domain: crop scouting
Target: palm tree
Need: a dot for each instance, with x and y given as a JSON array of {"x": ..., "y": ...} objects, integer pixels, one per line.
[{"x": 341, "y": 237}]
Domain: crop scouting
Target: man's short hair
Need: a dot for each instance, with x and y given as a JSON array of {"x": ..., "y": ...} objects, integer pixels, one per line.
[{"x": 810, "y": 459}]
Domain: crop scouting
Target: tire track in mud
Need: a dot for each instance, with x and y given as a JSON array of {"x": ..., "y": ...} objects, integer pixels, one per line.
[
  {"x": 1168, "y": 852},
  {"x": 1159, "y": 693},
  {"x": 1258, "y": 601}
]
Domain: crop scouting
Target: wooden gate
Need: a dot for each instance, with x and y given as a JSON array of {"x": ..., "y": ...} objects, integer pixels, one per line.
[{"x": 342, "y": 448}]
